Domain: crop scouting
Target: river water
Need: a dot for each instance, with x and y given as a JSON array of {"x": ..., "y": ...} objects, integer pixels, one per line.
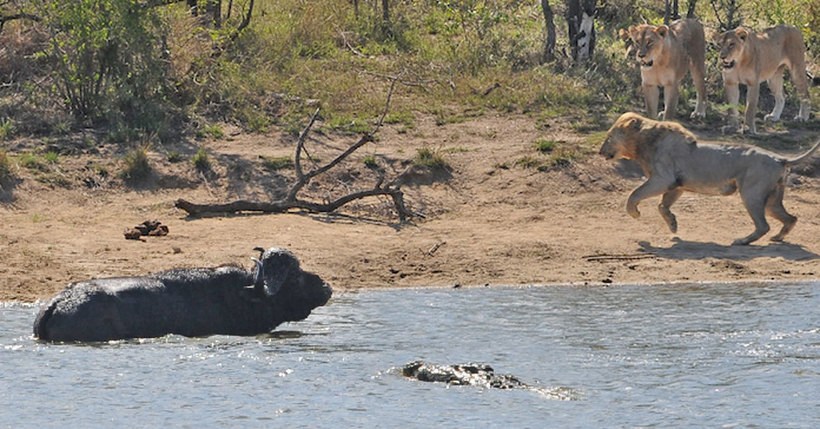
[{"x": 623, "y": 356}]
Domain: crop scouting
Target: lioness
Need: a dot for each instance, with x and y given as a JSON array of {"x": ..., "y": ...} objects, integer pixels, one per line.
[
  {"x": 665, "y": 53},
  {"x": 749, "y": 58},
  {"x": 675, "y": 162}
]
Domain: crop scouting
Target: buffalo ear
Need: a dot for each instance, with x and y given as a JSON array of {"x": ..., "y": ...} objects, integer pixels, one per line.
[
  {"x": 662, "y": 31},
  {"x": 742, "y": 34}
]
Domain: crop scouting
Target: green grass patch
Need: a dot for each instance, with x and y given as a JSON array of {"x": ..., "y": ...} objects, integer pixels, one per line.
[
  {"x": 429, "y": 158},
  {"x": 545, "y": 146},
  {"x": 277, "y": 163},
  {"x": 5, "y": 164},
  {"x": 213, "y": 131},
  {"x": 51, "y": 157},
  {"x": 201, "y": 161},
  {"x": 136, "y": 165},
  {"x": 6, "y": 129},
  {"x": 173, "y": 156},
  {"x": 370, "y": 161}
]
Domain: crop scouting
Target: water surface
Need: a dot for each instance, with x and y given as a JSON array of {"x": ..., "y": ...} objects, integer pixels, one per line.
[{"x": 681, "y": 355}]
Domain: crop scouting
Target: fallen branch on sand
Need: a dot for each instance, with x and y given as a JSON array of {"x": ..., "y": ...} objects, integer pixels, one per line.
[{"x": 292, "y": 202}]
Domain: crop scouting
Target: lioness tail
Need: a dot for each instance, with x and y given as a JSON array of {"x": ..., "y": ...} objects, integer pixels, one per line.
[{"x": 802, "y": 157}]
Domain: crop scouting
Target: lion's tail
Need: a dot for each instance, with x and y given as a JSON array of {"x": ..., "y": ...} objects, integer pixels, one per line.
[{"x": 802, "y": 157}]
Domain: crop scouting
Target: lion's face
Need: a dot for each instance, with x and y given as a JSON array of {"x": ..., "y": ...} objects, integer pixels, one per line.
[
  {"x": 648, "y": 43},
  {"x": 621, "y": 137},
  {"x": 731, "y": 44}
]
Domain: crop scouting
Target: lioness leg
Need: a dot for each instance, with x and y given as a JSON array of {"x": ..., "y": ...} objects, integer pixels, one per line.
[
  {"x": 670, "y": 102},
  {"x": 755, "y": 198},
  {"x": 698, "y": 71},
  {"x": 776, "y": 86},
  {"x": 669, "y": 198},
  {"x": 797, "y": 70},
  {"x": 733, "y": 98},
  {"x": 752, "y": 95},
  {"x": 650, "y": 95},
  {"x": 774, "y": 206},
  {"x": 652, "y": 187}
]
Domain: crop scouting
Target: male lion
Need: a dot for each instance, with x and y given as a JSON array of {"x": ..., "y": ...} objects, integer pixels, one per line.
[
  {"x": 749, "y": 58},
  {"x": 665, "y": 53},
  {"x": 675, "y": 162}
]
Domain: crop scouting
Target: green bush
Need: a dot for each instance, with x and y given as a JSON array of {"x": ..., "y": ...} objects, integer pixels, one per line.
[
  {"x": 137, "y": 166},
  {"x": 5, "y": 164},
  {"x": 428, "y": 158},
  {"x": 277, "y": 163},
  {"x": 545, "y": 145},
  {"x": 201, "y": 160},
  {"x": 108, "y": 59}
]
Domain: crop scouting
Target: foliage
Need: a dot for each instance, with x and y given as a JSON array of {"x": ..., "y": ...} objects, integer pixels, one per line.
[
  {"x": 6, "y": 129},
  {"x": 173, "y": 156},
  {"x": 107, "y": 59},
  {"x": 201, "y": 161},
  {"x": 429, "y": 158},
  {"x": 137, "y": 166},
  {"x": 5, "y": 164},
  {"x": 277, "y": 163},
  {"x": 370, "y": 161},
  {"x": 545, "y": 145},
  {"x": 140, "y": 70}
]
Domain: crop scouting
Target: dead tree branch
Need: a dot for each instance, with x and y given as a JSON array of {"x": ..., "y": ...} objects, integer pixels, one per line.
[{"x": 291, "y": 201}]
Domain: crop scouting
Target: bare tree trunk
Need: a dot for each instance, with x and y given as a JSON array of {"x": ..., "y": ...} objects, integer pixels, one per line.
[
  {"x": 386, "y": 11},
  {"x": 216, "y": 11},
  {"x": 581, "y": 25},
  {"x": 549, "y": 45},
  {"x": 732, "y": 18},
  {"x": 690, "y": 13}
]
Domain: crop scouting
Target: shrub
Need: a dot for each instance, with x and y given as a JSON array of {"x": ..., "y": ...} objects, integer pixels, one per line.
[
  {"x": 108, "y": 57},
  {"x": 370, "y": 161},
  {"x": 545, "y": 145},
  {"x": 51, "y": 157},
  {"x": 277, "y": 163},
  {"x": 201, "y": 160},
  {"x": 173, "y": 156},
  {"x": 5, "y": 164},
  {"x": 6, "y": 129},
  {"x": 428, "y": 158},
  {"x": 136, "y": 164}
]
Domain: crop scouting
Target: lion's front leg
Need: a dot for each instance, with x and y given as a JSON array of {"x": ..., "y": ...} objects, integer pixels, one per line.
[
  {"x": 752, "y": 95},
  {"x": 650, "y": 95},
  {"x": 670, "y": 102},
  {"x": 652, "y": 187},
  {"x": 733, "y": 98}
]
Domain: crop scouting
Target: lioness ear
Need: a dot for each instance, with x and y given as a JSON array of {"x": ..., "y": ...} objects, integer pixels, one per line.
[
  {"x": 623, "y": 35},
  {"x": 633, "y": 31},
  {"x": 716, "y": 36},
  {"x": 662, "y": 30},
  {"x": 634, "y": 124},
  {"x": 742, "y": 34}
]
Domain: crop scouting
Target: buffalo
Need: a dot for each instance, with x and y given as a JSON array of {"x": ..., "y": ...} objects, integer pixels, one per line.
[{"x": 193, "y": 302}]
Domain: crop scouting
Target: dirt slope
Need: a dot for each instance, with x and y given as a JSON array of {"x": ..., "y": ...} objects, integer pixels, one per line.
[{"x": 488, "y": 221}]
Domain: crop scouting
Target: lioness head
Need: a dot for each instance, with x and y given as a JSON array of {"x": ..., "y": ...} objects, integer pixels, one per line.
[
  {"x": 648, "y": 42},
  {"x": 621, "y": 138},
  {"x": 731, "y": 44}
]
